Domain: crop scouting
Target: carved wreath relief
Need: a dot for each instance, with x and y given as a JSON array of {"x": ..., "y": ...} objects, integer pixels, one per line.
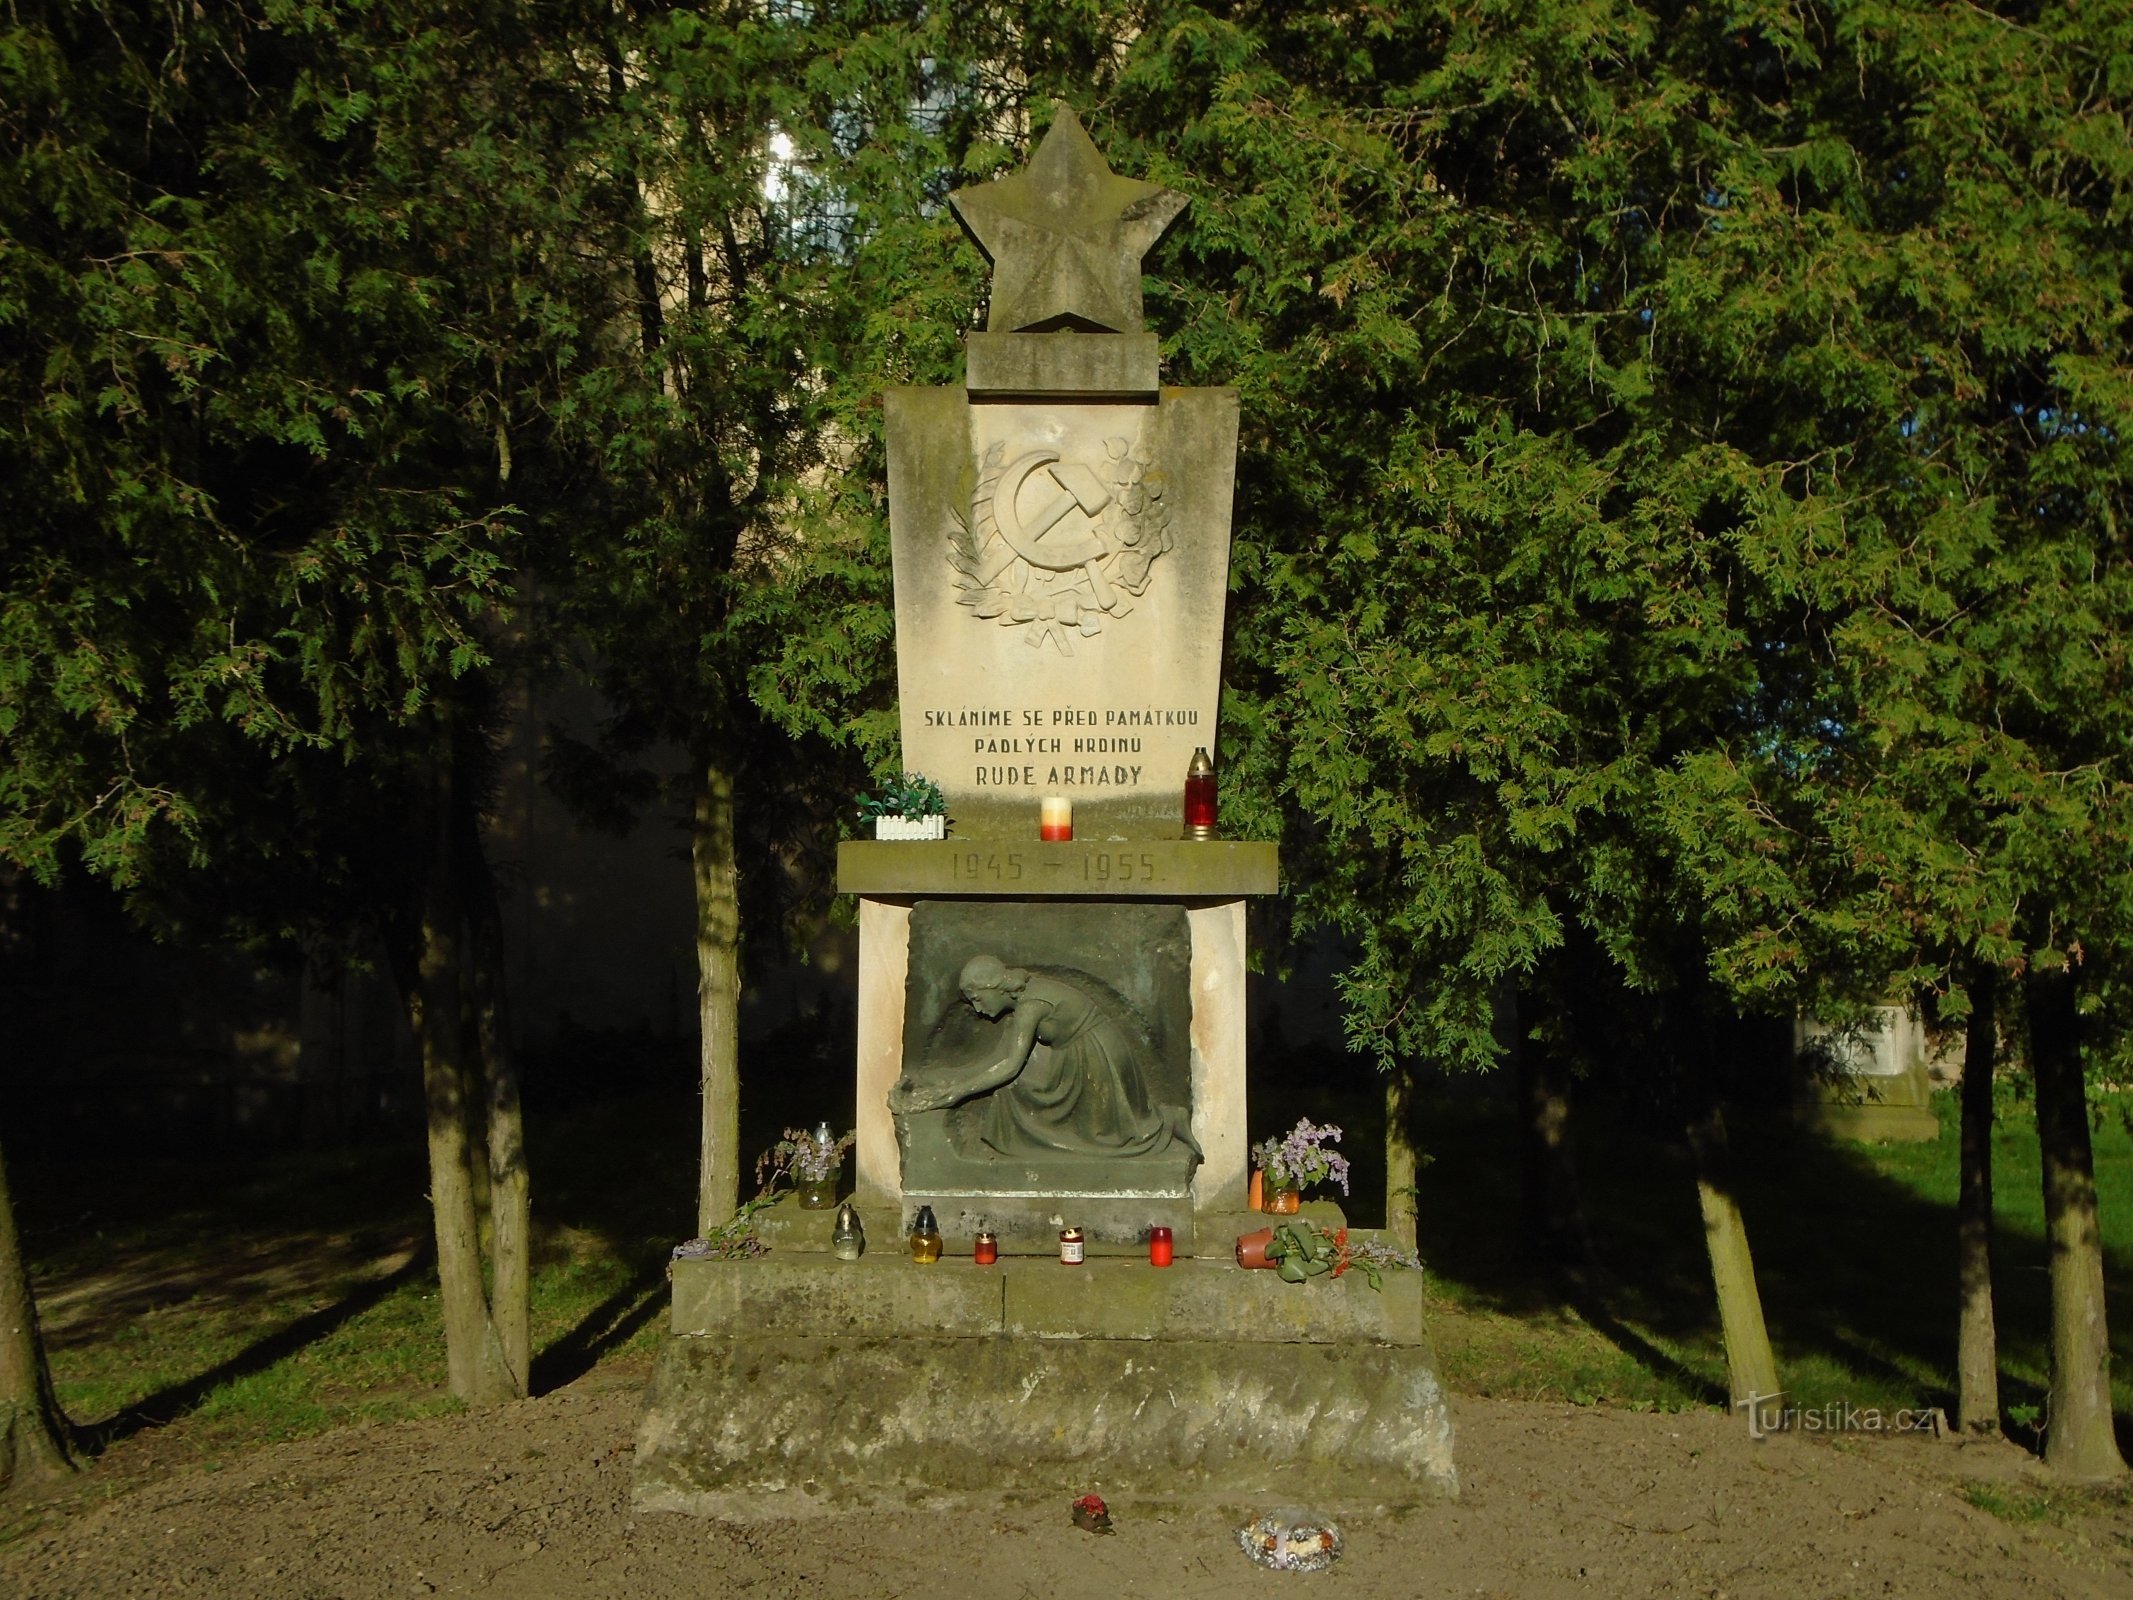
[{"x": 1053, "y": 546}]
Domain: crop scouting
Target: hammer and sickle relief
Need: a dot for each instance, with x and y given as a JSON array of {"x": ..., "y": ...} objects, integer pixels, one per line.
[{"x": 1053, "y": 545}]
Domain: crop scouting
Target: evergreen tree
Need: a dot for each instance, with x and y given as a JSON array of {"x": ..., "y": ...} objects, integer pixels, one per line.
[{"x": 277, "y": 315}]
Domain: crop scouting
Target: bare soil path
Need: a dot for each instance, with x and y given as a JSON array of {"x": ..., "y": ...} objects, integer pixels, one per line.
[{"x": 532, "y": 1502}]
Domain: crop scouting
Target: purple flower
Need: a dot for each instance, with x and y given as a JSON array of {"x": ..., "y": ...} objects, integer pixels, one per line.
[{"x": 1301, "y": 1157}]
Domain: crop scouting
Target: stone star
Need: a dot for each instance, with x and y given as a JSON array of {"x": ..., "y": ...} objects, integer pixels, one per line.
[{"x": 1065, "y": 237}]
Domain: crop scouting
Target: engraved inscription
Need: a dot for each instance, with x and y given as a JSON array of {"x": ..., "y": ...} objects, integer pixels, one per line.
[
  {"x": 1054, "y": 744},
  {"x": 1119, "y": 867},
  {"x": 988, "y": 866}
]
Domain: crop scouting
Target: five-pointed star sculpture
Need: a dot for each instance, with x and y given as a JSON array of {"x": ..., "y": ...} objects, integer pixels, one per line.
[{"x": 1065, "y": 237}]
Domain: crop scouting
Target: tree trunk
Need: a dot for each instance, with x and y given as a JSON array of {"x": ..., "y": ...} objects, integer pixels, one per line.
[
  {"x": 2079, "y": 1442},
  {"x": 35, "y": 1439},
  {"x": 1751, "y": 1367},
  {"x": 510, "y": 1183},
  {"x": 1401, "y": 1165},
  {"x": 479, "y": 1372},
  {"x": 718, "y": 964},
  {"x": 1977, "y": 1399},
  {"x": 1552, "y": 1222}
]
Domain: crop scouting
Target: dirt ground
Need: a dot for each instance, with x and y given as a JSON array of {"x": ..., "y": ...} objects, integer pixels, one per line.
[{"x": 533, "y": 1502}]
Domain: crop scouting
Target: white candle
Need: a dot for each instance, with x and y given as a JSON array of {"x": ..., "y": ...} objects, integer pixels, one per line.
[{"x": 1055, "y": 817}]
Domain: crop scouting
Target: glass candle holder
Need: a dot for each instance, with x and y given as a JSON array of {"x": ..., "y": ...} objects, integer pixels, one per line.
[
  {"x": 1073, "y": 1248},
  {"x": 925, "y": 1238},
  {"x": 985, "y": 1250},
  {"x": 1055, "y": 818},
  {"x": 1162, "y": 1247},
  {"x": 1200, "y": 796},
  {"x": 849, "y": 1241}
]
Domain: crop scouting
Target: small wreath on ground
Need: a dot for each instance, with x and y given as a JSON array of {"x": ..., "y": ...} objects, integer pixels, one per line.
[{"x": 1290, "y": 1539}]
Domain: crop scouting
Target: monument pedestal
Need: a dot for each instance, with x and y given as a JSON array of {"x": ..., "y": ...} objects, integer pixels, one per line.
[{"x": 802, "y": 1385}]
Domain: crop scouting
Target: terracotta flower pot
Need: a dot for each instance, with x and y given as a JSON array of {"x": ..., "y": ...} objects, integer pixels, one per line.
[
  {"x": 1251, "y": 1248},
  {"x": 1280, "y": 1201}
]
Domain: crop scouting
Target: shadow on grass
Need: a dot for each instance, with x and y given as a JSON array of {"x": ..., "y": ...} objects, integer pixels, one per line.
[
  {"x": 1589, "y": 1301},
  {"x": 607, "y": 1326},
  {"x": 168, "y": 1404},
  {"x": 1854, "y": 1251}
]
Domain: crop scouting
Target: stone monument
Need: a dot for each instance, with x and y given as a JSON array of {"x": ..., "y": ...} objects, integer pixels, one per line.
[
  {"x": 1051, "y": 1031},
  {"x": 1868, "y": 1082}
]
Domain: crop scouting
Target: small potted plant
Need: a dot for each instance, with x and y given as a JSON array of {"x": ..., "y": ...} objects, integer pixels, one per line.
[
  {"x": 912, "y": 807},
  {"x": 1288, "y": 1164},
  {"x": 1301, "y": 1250}
]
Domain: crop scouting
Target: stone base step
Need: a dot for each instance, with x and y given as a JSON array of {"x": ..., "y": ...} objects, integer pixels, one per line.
[{"x": 791, "y": 1425}]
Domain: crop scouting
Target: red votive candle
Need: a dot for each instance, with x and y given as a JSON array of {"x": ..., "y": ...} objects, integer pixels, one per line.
[
  {"x": 1162, "y": 1249},
  {"x": 986, "y": 1250},
  {"x": 1200, "y": 796},
  {"x": 1055, "y": 818}
]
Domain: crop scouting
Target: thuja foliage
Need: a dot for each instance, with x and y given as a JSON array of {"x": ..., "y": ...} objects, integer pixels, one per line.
[
  {"x": 276, "y": 310},
  {"x": 1682, "y": 485}
]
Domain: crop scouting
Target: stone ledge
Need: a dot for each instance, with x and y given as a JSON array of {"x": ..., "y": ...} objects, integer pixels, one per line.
[
  {"x": 1062, "y": 366},
  {"x": 824, "y": 1425},
  {"x": 1114, "y": 1225},
  {"x": 885, "y": 1293},
  {"x": 877, "y": 1294},
  {"x": 1214, "y": 1302},
  {"x": 1028, "y": 1226},
  {"x": 1211, "y": 1235},
  {"x": 1026, "y": 869}
]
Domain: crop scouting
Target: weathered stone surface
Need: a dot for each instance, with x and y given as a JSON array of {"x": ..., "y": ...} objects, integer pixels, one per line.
[
  {"x": 824, "y": 1423},
  {"x": 1869, "y": 1084},
  {"x": 881, "y": 1293},
  {"x": 886, "y": 1293},
  {"x": 1163, "y": 869},
  {"x": 1212, "y": 1301},
  {"x": 1064, "y": 366},
  {"x": 1061, "y": 573},
  {"x": 1066, "y": 235}
]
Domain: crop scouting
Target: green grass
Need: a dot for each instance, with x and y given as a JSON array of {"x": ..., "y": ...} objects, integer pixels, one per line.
[
  {"x": 1854, "y": 1248},
  {"x": 268, "y": 1300},
  {"x": 2013, "y": 1505},
  {"x": 239, "y": 1303}
]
